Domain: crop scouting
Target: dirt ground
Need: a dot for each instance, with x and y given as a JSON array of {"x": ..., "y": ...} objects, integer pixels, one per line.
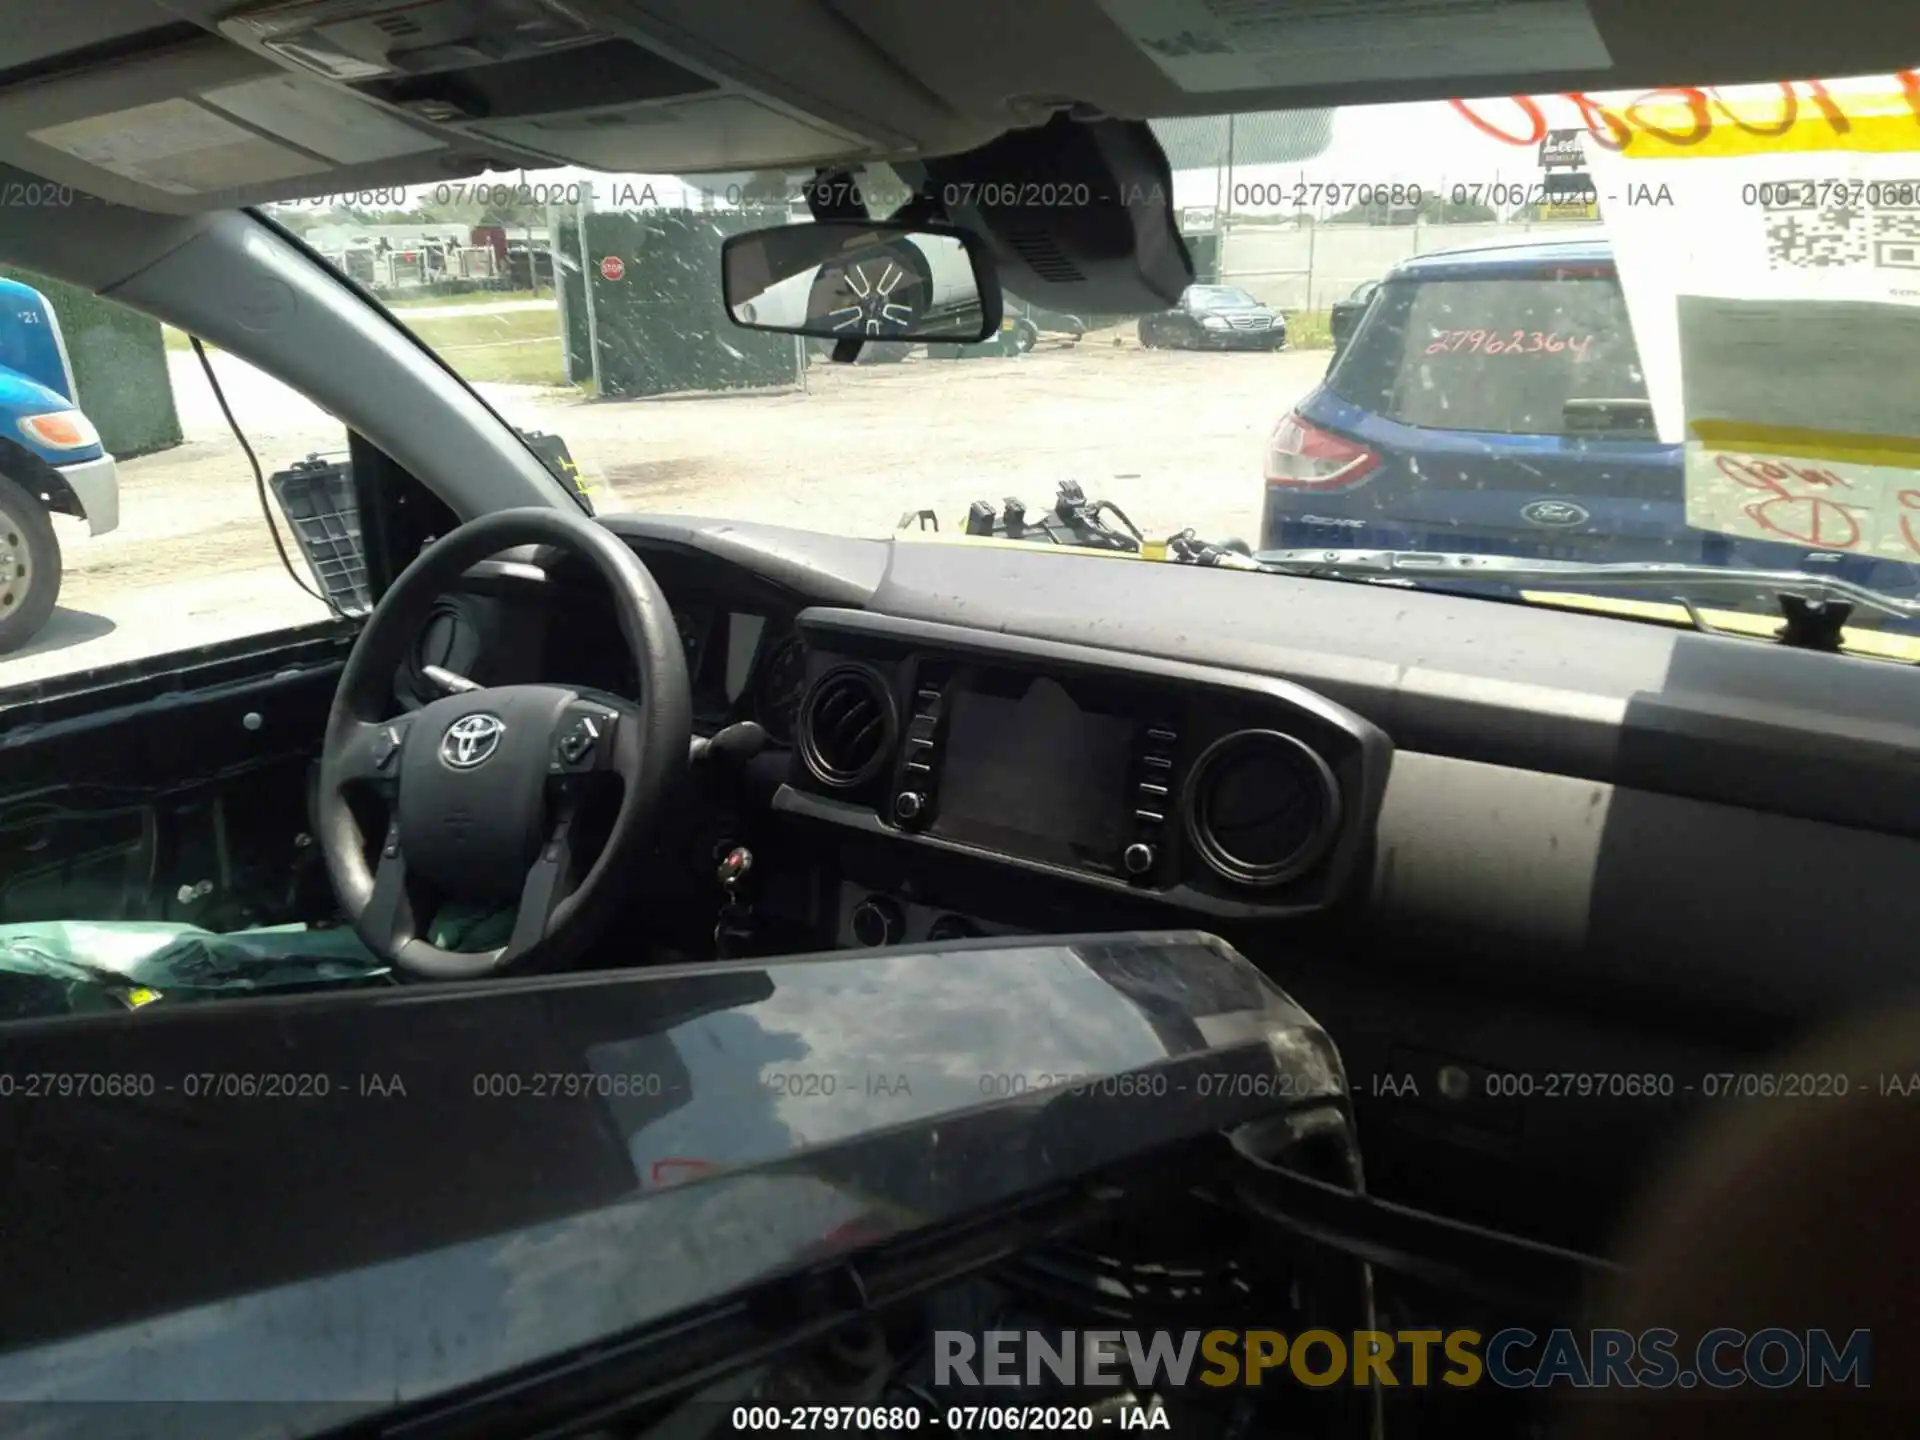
[{"x": 1174, "y": 438}]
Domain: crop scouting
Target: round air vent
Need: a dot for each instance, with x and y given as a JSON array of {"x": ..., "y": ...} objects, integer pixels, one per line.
[
  {"x": 1261, "y": 808},
  {"x": 846, "y": 727}
]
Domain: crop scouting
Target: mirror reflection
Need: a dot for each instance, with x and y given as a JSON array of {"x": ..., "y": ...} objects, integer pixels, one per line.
[{"x": 856, "y": 281}]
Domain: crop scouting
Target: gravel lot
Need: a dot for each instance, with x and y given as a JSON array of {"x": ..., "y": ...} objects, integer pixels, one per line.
[{"x": 1174, "y": 438}]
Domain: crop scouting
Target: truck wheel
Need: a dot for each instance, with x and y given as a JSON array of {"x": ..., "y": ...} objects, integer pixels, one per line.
[{"x": 29, "y": 565}]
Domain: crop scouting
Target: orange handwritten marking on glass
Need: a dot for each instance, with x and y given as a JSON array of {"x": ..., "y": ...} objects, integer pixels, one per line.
[
  {"x": 1809, "y": 519},
  {"x": 1685, "y": 105},
  {"x": 1910, "y": 501}
]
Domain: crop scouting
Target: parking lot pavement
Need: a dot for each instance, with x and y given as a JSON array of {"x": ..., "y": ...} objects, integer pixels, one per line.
[{"x": 1174, "y": 438}]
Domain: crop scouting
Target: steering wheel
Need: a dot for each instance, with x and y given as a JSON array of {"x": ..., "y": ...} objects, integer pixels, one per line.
[{"x": 486, "y": 784}]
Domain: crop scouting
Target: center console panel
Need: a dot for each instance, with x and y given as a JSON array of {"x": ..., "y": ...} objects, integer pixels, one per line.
[{"x": 1209, "y": 790}]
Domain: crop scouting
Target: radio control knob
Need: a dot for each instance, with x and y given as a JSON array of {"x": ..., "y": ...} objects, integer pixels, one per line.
[
  {"x": 909, "y": 806},
  {"x": 878, "y": 921},
  {"x": 1139, "y": 858}
]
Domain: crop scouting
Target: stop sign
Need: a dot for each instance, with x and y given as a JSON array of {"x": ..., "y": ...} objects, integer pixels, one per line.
[{"x": 612, "y": 268}]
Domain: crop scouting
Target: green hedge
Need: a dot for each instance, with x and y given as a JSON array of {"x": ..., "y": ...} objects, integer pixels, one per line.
[
  {"x": 119, "y": 367},
  {"x": 663, "y": 327}
]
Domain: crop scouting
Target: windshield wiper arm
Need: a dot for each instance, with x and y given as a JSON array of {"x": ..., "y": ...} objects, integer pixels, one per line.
[{"x": 1426, "y": 565}]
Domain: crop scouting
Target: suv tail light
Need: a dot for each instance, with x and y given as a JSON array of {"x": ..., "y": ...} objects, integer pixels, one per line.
[{"x": 1305, "y": 457}]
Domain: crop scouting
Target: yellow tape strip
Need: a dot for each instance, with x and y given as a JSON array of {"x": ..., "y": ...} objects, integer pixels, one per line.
[
  {"x": 1875, "y": 643},
  {"x": 1897, "y": 452},
  {"x": 1876, "y": 124}
]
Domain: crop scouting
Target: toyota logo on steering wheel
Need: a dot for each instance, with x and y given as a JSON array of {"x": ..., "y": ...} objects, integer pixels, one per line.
[{"x": 471, "y": 740}]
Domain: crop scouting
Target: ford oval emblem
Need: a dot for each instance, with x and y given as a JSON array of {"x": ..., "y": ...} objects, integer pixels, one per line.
[{"x": 1557, "y": 514}]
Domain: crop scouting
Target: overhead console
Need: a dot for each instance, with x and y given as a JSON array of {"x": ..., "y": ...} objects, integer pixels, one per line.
[{"x": 1212, "y": 790}]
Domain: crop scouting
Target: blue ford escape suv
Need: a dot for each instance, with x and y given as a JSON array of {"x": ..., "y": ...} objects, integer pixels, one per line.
[{"x": 1490, "y": 401}]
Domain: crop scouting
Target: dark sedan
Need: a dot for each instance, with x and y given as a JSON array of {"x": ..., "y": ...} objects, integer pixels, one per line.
[{"x": 1215, "y": 317}]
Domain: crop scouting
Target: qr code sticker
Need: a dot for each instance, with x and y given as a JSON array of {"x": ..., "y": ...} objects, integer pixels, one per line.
[
  {"x": 1833, "y": 235},
  {"x": 1896, "y": 240}
]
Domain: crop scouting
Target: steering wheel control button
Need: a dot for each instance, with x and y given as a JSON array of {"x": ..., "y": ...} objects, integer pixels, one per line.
[
  {"x": 577, "y": 744},
  {"x": 470, "y": 741},
  {"x": 1138, "y": 859},
  {"x": 583, "y": 739},
  {"x": 387, "y": 744},
  {"x": 909, "y": 807}
]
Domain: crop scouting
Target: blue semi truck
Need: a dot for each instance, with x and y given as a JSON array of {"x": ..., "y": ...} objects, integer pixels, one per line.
[{"x": 51, "y": 462}]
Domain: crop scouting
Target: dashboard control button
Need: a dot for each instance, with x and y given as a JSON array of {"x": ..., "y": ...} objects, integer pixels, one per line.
[
  {"x": 1161, "y": 735},
  {"x": 1157, "y": 762},
  {"x": 1150, "y": 791},
  {"x": 1150, "y": 817},
  {"x": 920, "y": 729},
  {"x": 878, "y": 921},
  {"x": 909, "y": 806},
  {"x": 1139, "y": 858}
]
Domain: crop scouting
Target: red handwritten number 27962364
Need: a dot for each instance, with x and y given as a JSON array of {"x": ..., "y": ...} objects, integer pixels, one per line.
[{"x": 1503, "y": 342}]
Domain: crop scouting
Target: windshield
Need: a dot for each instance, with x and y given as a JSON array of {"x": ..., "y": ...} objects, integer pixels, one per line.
[
  {"x": 1206, "y": 297},
  {"x": 1674, "y": 328}
]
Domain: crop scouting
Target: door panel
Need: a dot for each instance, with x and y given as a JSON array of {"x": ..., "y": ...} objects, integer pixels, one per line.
[{"x": 173, "y": 788}]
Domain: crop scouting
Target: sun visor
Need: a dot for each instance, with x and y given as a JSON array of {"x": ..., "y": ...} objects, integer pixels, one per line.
[{"x": 1079, "y": 214}]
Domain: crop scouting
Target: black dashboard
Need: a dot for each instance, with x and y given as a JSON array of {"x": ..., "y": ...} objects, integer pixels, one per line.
[{"x": 1481, "y": 843}]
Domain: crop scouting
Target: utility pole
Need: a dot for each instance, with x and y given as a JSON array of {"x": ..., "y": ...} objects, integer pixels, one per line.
[
  {"x": 1220, "y": 249},
  {"x": 587, "y": 271}
]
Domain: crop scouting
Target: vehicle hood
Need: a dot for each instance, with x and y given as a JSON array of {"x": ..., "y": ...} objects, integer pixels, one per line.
[
  {"x": 499, "y": 1173},
  {"x": 20, "y": 396}
]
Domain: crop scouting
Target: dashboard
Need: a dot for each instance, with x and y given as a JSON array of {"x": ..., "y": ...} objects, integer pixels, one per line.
[
  {"x": 1477, "y": 841},
  {"x": 1214, "y": 791}
]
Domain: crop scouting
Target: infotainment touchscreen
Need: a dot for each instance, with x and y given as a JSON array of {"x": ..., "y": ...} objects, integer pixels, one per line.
[{"x": 1027, "y": 770}]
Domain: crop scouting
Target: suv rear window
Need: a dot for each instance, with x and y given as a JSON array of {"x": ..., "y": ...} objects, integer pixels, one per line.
[{"x": 1502, "y": 355}]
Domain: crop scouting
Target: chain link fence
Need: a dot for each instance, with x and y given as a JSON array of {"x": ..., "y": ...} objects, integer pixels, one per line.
[{"x": 1302, "y": 265}]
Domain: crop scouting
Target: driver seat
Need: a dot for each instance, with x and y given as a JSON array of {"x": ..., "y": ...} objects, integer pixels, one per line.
[{"x": 1795, "y": 1214}]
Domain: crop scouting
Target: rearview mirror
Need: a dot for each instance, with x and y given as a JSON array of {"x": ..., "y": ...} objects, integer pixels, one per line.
[{"x": 862, "y": 280}]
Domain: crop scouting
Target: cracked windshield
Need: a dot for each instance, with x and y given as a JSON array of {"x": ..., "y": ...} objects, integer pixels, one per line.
[{"x": 1482, "y": 345}]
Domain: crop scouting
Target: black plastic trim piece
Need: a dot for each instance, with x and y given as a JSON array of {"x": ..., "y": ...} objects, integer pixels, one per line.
[
  {"x": 1224, "y": 862},
  {"x": 818, "y": 763}
]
